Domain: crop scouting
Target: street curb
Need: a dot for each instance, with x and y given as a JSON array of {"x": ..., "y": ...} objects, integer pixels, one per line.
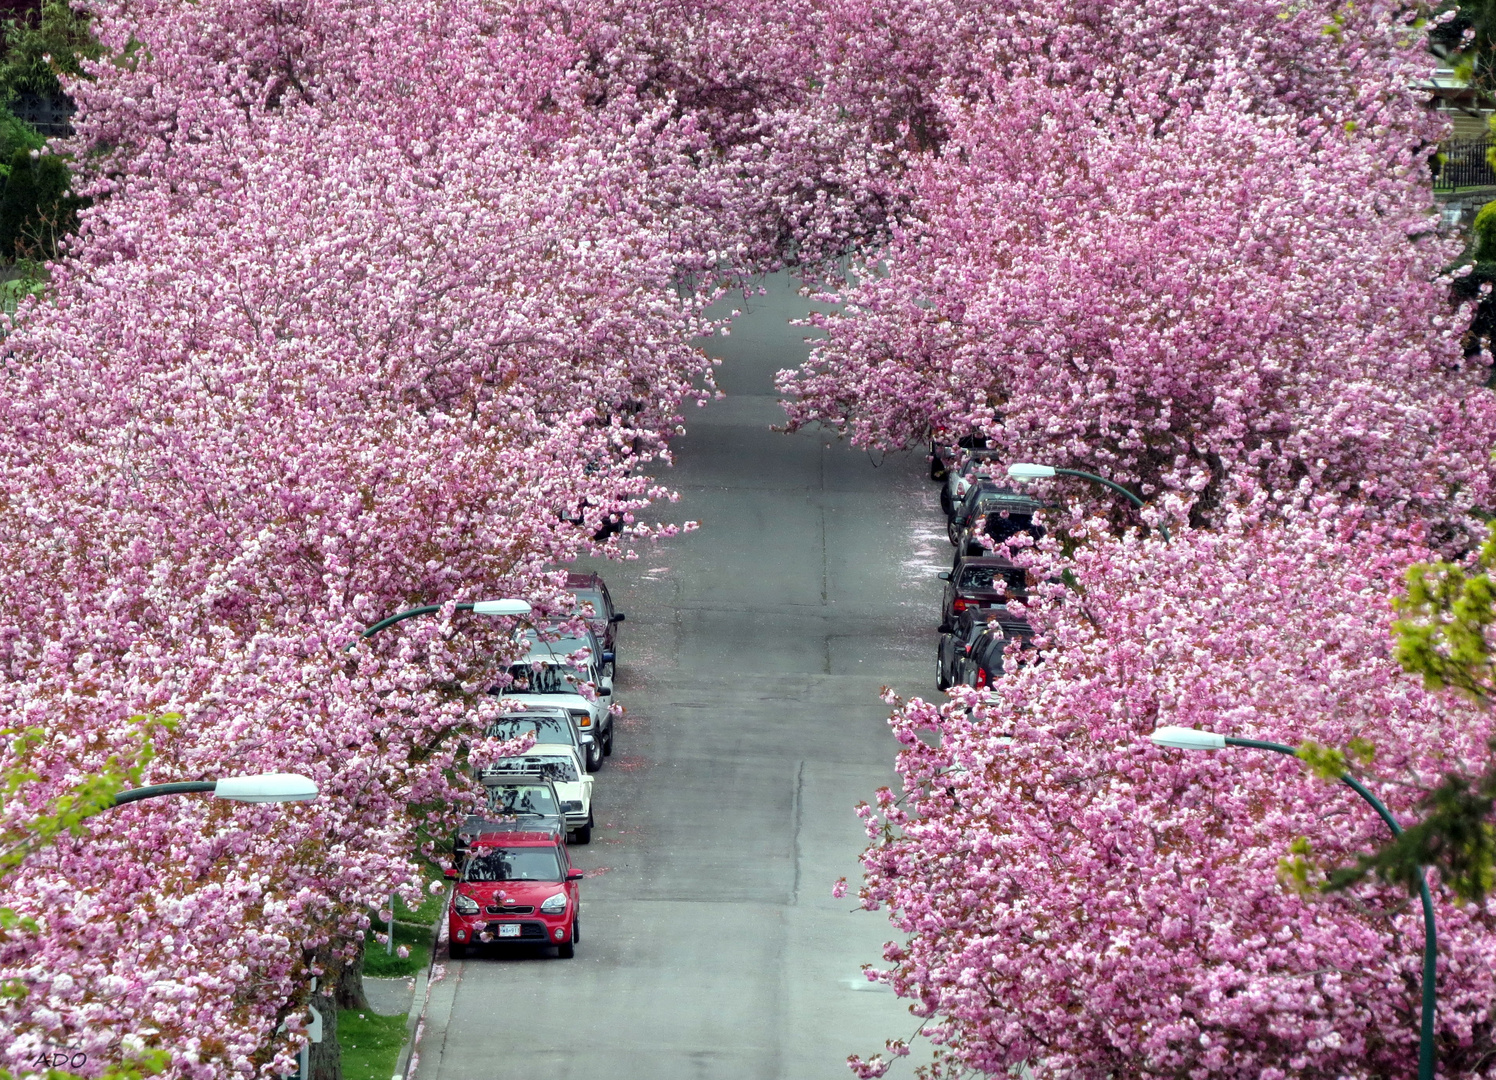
[{"x": 418, "y": 1003}]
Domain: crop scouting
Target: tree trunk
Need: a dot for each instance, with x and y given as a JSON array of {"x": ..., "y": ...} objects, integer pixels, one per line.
[
  {"x": 348, "y": 988},
  {"x": 341, "y": 987},
  {"x": 326, "y": 1062}
]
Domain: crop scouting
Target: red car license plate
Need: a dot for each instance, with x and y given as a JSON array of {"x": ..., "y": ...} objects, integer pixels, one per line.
[{"x": 510, "y": 929}]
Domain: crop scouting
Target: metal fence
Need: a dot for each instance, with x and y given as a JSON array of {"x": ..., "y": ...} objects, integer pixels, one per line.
[
  {"x": 1464, "y": 163},
  {"x": 49, "y": 115}
]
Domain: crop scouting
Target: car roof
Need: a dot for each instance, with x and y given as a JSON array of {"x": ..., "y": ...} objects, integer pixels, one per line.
[
  {"x": 556, "y": 627},
  {"x": 514, "y": 779},
  {"x": 995, "y": 489},
  {"x": 533, "y": 710},
  {"x": 533, "y": 657},
  {"x": 1023, "y": 502},
  {"x": 583, "y": 580},
  {"x": 980, "y": 616},
  {"x": 1008, "y": 629},
  {"x": 547, "y": 748},
  {"x": 560, "y": 700},
  {"x": 478, "y": 825},
  {"x": 988, "y": 560},
  {"x": 516, "y": 838}
]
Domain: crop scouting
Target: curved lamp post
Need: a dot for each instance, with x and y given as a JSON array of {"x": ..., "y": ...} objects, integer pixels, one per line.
[
  {"x": 267, "y": 787},
  {"x": 1028, "y": 471},
  {"x": 506, "y": 606},
  {"x": 1181, "y": 738}
]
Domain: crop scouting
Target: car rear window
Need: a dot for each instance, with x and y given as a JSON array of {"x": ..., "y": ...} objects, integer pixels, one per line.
[
  {"x": 595, "y": 598},
  {"x": 552, "y": 767},
  {"x": 546, "y": 728},
  {"x": 991, "y": 654},
  {"x": 522, "y": 800},
  {"x": 1001, "y": 527},
  {"x": 514, "y": 864},
  {"x": 540, "y": 679},
  {"x": 992, "y": 578}
]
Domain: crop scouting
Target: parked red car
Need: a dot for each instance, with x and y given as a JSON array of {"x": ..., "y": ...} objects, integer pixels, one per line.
[{"x": 515, "y": 888}]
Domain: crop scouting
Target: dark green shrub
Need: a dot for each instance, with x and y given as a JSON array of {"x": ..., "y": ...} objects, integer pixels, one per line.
[
  {"x": 16, "y": 134},
  {"x": 34, "y": 50},
  {"x": 37, "y": 206}
]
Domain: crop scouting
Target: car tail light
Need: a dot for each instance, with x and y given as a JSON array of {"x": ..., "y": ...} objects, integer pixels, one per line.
[
  {"x": 981, "y": 677},
  {"x": 959, "y": 605}
]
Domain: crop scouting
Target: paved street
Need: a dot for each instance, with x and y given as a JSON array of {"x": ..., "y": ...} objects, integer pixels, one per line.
[{"x": 750, "y": 665}]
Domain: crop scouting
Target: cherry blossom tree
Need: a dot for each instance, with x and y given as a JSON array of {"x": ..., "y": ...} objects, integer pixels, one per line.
[
  {"x": 1081, "y": 901},
  {"x": 1191, "y": 249},
  {"x": 1195, "y": 278},
  {"x": 320, "y": 354},
  {"x": 393, "y": 303}
]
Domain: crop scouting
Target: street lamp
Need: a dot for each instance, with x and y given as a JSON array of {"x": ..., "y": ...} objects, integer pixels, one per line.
[
  {"x": 506, "y": 606},
  {"x": 265, "y": 788},
  {"x": 1029, "y": 471},
  {"x": 1181, "y": 738}
]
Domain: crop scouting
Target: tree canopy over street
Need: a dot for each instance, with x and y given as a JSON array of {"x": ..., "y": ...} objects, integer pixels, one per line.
[{"x": 373, "y": 305}]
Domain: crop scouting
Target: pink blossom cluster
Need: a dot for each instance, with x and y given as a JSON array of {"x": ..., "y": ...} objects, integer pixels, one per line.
[
  {"x": 1191, "y": 249},
  {"x": 1079, "y": 900}
]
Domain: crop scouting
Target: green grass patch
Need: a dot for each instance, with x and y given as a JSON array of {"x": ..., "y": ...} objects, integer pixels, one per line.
[
  {"x": 381, "y": 965},
  {"x": 370, "y": 1044},
  {"x": 429, "y": 911}
]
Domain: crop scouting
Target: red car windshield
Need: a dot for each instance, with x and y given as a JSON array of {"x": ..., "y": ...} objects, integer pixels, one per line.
[{"x": 514, "y": 864}]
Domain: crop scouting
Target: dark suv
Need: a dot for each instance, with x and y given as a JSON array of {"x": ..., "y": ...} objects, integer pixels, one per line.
[
  {"x": 993, "y": 650},
  {"x": 956, "y": 640},
  {"x": 983, "y": 581},
  {"x": 999, "y": 512},
  {"x": 596, "y": 605}
]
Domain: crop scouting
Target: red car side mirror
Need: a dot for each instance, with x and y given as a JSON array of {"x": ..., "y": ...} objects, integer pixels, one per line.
[
  {"x": 450, "y": 873},
  {"x": 574, "y": 875}
]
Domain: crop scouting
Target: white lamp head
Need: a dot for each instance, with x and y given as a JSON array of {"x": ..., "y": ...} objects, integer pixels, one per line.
[
  {"x": 501, "y": 607},
  {"x": 1184, "y": 738},
  {"x": 1022, "y": 470},
  {"x": 267, "y": 787}
]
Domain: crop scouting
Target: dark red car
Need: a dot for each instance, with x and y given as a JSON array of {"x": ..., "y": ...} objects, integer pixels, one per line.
[
  {"x": 515, "y": 888},
  {"x": 595, "y": 602},
  {"x": 981, "y": 582}
]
